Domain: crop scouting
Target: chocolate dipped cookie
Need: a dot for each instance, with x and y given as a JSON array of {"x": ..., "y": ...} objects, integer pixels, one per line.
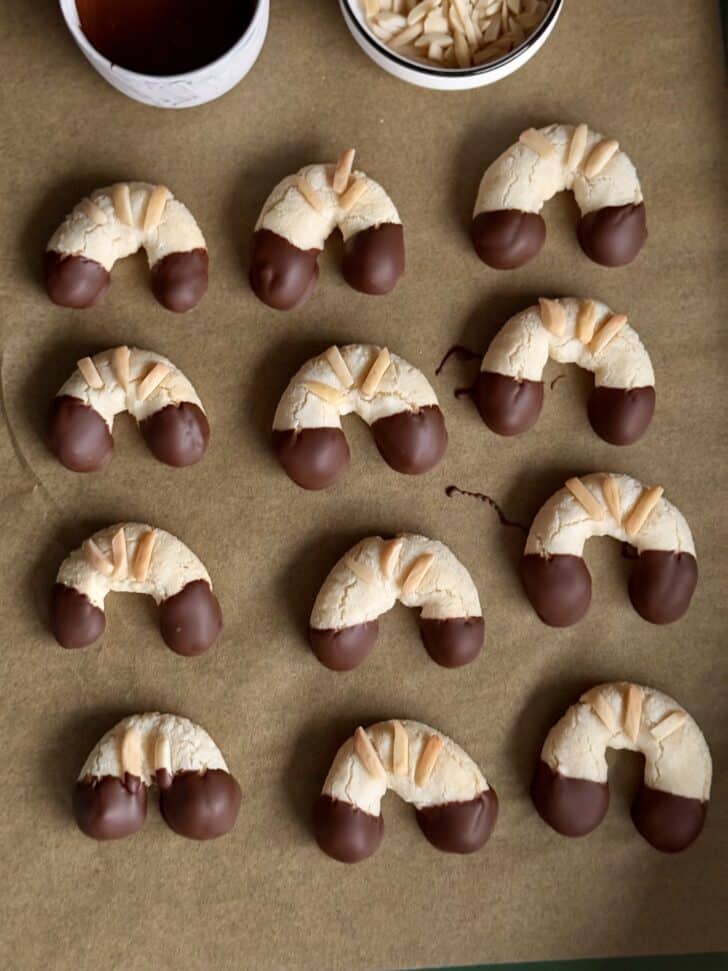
[
  {"x": 570, "y": 788},
  {"x": 509, "y": 390},
  {"x": 301, "y": 213},
  {"x": 456, "y": 808},
  {"x": 372, "y": 577},
  {"x": 389, "y": 394},
  {"x": 553, "y": 571},
  {"x": 115, "y": 222},
  {"x": 198, "y": 797},
  {"x": 507, "y": 229},
  {"x": 149, "y": 387},
  {"x": 135, "y": 558}
]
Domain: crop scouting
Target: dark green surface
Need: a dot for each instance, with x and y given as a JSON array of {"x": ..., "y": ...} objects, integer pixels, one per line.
[{"x": 681, "y": 962}]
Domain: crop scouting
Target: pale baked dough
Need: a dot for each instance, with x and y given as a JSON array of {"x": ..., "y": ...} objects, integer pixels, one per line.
[
  {"x": 190, "y": 748},
  {"x": 96, "y": 232},
  {"x": 454, "y": 778},
  {"x": 287, "y": 213},
  {"x": 304, "y": 403},
  {"x": 445, "y": 591},
  {"x": 524, "y": 180},
  {"x": 562, "y": 525},
  {"x": 524, "y": 344},
  {"x": 677, "y": 759},
  {"x": 113, "y": 398},
  {"x": 172, "y": 566}
]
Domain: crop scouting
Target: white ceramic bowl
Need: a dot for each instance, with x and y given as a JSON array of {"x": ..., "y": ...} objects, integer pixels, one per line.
[
  {"x": 178, "y": 90},
  {"x": 444, "y": 78}
]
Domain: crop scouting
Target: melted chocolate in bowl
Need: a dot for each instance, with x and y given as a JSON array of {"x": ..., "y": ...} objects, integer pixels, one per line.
[{"x": 164, "y": 37}]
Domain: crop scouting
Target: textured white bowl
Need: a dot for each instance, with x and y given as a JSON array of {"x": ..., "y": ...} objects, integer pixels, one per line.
[
  {"x": 178, "y": 90},
  {"x": 444, "y": 78}
]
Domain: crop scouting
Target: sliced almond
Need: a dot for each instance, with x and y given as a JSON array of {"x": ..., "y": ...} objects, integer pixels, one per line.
[
  {"x": 586, "y": 319},
  {"x": 361, "y": 570},
  {"x": 604, "y": 711},
  {"x": 338, "y": 366},
  {"x": 95, "y": 213},
  {"x": 610, "y": 491},
  {"x": 553, "y": 316},
  {"x": 130, "y": 755},
  {"x": 343, "y": 168},
  {"x": 668, "y": 725},
  {"x": 96, "y": 559},
  {"x": 585, "y": 498},
  {"x": 162, "y": 754},
  {"x": 599, "y": 156},
  {"x": 309, "y": 194},
  {"x": 642, "y": 509},
  {"x": 156, "y": 202},
  {"x": 375, "y": 373},
  {"x": 537, "y": 142},
  {"x": 420, "y": 11},
  {"x": 400, "y": 749},
  {"x": 577, "y": 147},
  {"x": 606, "y": 332},
  {"x": 120, "y": 359},
  {"x": 121, "y": 199},
  {"x": 427, "y": 760},
  {"x": 143, "y": 555},
  {"x": 119, "y": 555},
  {"x": 325, "y": 392},
  {"x": 367, "y": 755},
  {"x": 151, "y": 382},
  {"x": 390, "y": 555},
  {"x": 436, "y": 23},
  {"x": 632, "y": 712},
  {"x": 461, "y": 48},
  {"x": 440, "y": 40},
  {"x": 90, "y": 373},
  {"x": 416, "y": 573},
  {"x": 406, "y": 36},
  {"x": 353, "y": 194}
]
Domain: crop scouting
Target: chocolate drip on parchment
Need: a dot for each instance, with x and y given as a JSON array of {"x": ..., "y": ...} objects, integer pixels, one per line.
[{"x": 452, "y": 490}]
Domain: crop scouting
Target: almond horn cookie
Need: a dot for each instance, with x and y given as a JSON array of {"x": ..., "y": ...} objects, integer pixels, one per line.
[
  {"x": 198, "y": 797},
  {"x": 390, "y": 395},
  {"x": 555, "y": 576},
  {"x": 115, "y": 222},
  {"x": 166, "y": 407},
  {"x": 135, "y": 558},
  {"x": 570, "y": 789},
  {"x": 509, "y": 390},
  {"x": 372, "y": 577},
  {"x": 507, "y": 230},
  {"x": 456, "y": 808},
  {"x": 301, "y": 213}
]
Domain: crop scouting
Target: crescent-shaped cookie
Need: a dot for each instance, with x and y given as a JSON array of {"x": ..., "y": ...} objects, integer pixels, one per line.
[
  {"x": 198, "y": 797},
  {"x": 372, "y": 577},
  {"x": 166, "y": 407},
  {"x": 389, "y": 394},
  {"x": 115, "y": 222},
  {"x": 570, "y": 789},
  {"x": 509, "y": 390},
  {"x": 135, "y": 558},
  {"x": 456, "y": 808},
  {"x": 507, "y": 230},
  {"x": 555, "y": 576},
  {"x": 301, "y": 213}
]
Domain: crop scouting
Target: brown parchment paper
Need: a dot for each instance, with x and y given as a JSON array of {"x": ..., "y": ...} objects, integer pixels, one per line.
[{"x": 649, "y": 74}]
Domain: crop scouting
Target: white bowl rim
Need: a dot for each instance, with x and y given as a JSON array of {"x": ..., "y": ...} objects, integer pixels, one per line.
[
  {"x": 453, "y": 72},
  {"x": 74, "y": 25}
]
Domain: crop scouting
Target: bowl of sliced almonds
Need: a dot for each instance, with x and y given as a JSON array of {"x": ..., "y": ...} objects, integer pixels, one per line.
[{"x": 450, "y": 45}]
